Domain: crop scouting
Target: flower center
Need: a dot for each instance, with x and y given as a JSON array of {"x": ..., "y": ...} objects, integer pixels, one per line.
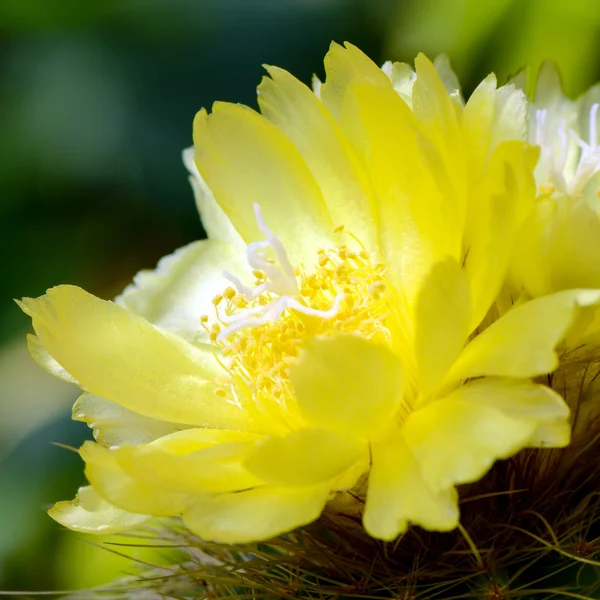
[
  {"x": 562, "y": 175},
  {"x": 258, "y": 330}
]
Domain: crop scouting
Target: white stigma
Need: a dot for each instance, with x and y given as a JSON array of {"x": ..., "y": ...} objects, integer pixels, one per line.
[{"x": 280, "y": 281}]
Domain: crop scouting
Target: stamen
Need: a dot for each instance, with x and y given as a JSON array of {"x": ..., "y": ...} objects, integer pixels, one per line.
[
  {"x": 275, "y": 243},
  {"x": 594, "y": 125},
  {"x": 540, "y": 120},
  {"x": 260, "y": 328}
]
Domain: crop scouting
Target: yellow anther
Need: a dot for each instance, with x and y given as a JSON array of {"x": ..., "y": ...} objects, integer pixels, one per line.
[
  {"x": 239, "y": 301},
  {"x": 546, "y": 189},
  {"x": 229, "y": 293},
  {"x": 259, "y": 275},
  {"x": 217, "y": 300},
  {"x": 204, "y": 319},
  {"x": 338, "y": 229},
  {"x": 221, "y": 392}
]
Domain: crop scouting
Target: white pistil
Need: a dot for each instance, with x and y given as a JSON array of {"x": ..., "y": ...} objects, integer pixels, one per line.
[{"x": 280, "y": 281}]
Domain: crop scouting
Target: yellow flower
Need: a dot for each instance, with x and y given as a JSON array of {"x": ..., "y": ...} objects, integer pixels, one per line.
[
  {"x": 328, "y": 336},
  {"x": 559, "y": 243}
]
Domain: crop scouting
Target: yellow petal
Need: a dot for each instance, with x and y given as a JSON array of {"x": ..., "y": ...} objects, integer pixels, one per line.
[
  {"x": 254, "y": 515},
  {"x": 108, "y": 479},
  {"x": 90, "y": 513},
  {"x": 43, "y": 358},
  {"x": 518, "y": 398},
  {"x": 575, "y": 247},
  {"x": 118, "y": 355},
  {"x": 455, "y": 441},
  {"x": 343, "y": 64},
  {"x": 305, "y": 457},
  {"x": 551, "y": 434},
  {"x": 415, "y": 219},
  {"x": 298, "y": 113},
  {"x": 397, "y": 494},
  {"x": 510, "y": 116},
  {"x": 437, "y": 113},
  {"x": 442, "y": 320},
  {"x": 347, "y": 384},
  {"x": 522, "y": 399},
  {"x": 115, "y": 425},
  {"x": 476, "y": 124},
  {"x": 530, "y": 266},
  {"x": 521, "y": 343},
  {"x": 216, "y": 223},
  {"x": 193, "y": 461},
  {"x": 503, "y": 200},
  {"x": 181, "y": 289},
  {"x": 245, "y": 159}
]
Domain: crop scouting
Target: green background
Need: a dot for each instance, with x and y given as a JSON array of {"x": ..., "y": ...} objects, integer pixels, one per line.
[{"x": 96, "y": 103}]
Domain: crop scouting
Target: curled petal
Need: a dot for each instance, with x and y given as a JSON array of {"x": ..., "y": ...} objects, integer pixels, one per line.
[{"x": 90, "y": 513}]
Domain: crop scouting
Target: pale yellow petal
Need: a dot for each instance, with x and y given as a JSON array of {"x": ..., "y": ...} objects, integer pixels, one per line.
[
  {"x": 344, "y": 64},
  {"x": 192, "y": 461},
  {"x": 118, "y": 355},
  {"x": 403, "y": 78},
  {"x": 518, "y": 398},
  {"x": 116, "y": 487},
  {"x": 442, "y": 320},
  {"x": 493, "y": 116},
  {"x": 305, "y": 457},
  {"x": 254, "y": 515},
  {"x": 43, "y": 358},
  {"x": 447, "y": 75},
  {"x": 455, "y": 441},
  {"x": 522, "y": 399},
  {"x": 397, "y": 494},
  {"x": 90, "y": 513},
  {"x": 115, "y": 425},
  {"x": 551, "y": 434},
  {"x": 246, "y": 159},
  {"x": 347, "y": 384},
  {"x": 180, "y": 290},
  {"x": 522, "y": 342},
  {"x": 216, "y": 223},
  {"x": 510, "y": 116},
  {"x": 305, "y": 121},
  {"x": 561, "y": 113}
]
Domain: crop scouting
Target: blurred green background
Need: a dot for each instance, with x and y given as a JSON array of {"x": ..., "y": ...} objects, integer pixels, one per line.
[{"x": 96, "y": 103}]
